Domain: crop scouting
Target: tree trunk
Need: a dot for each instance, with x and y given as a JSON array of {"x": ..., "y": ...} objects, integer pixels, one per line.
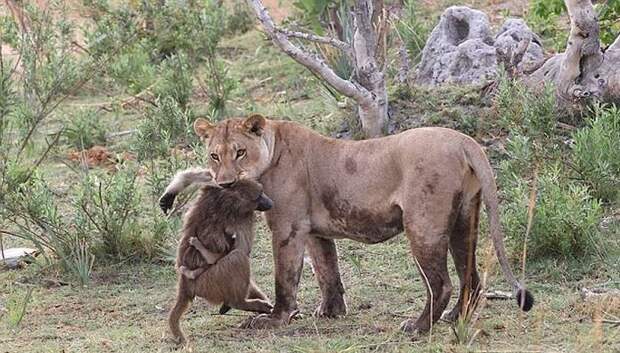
[
  {"x": 368, "y": 47},
  {"x": 583, "y": 71},
  {"x": 368, "y": 87}
]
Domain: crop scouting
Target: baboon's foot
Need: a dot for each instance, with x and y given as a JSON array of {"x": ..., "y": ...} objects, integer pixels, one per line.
[{"x": 267, "y": 321}]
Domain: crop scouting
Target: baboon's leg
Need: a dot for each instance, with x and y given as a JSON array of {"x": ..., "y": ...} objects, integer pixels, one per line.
[
  {"x": 224, "y": 309},
  {"x": 180, "y": 182},
  {"x": 182, "y": 303},
  {"x": 427, "y": 227},
  {"x": 254, "y": 292},
  {"x": 255, "y": 305},
  {"x": 325, "y": 262},
  {"x": 463, "y": 240},
  {"x": 191, "y": 274}
]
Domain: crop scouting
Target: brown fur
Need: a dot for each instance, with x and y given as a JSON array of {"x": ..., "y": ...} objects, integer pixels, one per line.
[
  {"x": 214, "y": 217},
  {"x": 427, "y": 182}
]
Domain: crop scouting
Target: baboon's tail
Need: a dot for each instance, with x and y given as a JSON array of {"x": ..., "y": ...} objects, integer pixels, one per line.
[
  {"x": 182, "y": 303},
  {"x": 480, "y": 164}
]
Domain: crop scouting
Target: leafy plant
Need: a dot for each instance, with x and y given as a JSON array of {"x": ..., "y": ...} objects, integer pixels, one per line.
[
  {"x": 544, "y": 16},
  {"x": 565, "y": 220},
  {"x": 596, "y": 153},
  {"x": 241, "y": 19},
  {"x": 413, "y": 29},
  {"x": 109, "y": 207},
  {"x": 164, "y": 126},
  {"x": 84, "y": 130}
]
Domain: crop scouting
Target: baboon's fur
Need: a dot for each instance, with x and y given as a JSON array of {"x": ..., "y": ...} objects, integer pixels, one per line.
[{"x": 222, "y": 219}]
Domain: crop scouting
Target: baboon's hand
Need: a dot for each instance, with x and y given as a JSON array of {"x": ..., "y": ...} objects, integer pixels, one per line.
[
  {"x": 193, "y": 241},
  {"x": 166, "y": 201}
]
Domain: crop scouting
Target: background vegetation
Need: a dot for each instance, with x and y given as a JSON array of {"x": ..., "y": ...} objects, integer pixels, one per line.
[{"x": 97, "y": 100}]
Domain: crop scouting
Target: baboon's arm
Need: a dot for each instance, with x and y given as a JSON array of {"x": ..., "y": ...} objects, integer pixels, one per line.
[
  {"x": 209, "y": 256},
  {"x": 180, "y": 182}
]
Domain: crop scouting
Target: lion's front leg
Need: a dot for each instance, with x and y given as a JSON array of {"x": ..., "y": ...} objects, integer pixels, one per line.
[
  {"x": 288, "y": 251},
  {"x": 325, "y": 262}
]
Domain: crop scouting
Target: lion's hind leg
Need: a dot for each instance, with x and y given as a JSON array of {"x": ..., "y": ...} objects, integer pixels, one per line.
[
  {"x": 427, "y": 228},
  {"x": 463, "y": 239}
]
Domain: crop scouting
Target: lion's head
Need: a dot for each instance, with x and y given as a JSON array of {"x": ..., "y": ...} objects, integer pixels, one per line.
[{"x": 238, "y": 148}]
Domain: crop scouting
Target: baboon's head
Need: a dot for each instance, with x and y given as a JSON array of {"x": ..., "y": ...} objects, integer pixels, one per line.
[{"x": 250, "y": 196}]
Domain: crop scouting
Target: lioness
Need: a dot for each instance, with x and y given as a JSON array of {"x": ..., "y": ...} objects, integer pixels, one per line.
[{"x": 428, "y": 182}]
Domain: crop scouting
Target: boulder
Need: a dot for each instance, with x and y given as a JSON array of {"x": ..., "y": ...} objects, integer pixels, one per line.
[{"x": 462, "y": 49}]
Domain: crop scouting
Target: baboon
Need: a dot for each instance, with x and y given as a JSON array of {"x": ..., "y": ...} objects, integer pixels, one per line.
[{"x": 213, "y": 256}]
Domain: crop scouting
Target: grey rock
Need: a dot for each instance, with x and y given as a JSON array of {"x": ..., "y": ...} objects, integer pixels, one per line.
[
  {"x": 449, "y": 52},
  {"x": 511, "y": 34},
  {"x": 462, "y": 49}
]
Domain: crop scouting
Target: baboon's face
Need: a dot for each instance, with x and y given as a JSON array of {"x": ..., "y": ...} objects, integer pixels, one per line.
[
  {"x": 251, "y": 196},
  {"x": 236, "y": 148}
]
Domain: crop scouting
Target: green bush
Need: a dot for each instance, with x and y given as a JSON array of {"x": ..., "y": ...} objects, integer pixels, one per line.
[
  {"x": 165, "y": 125},
  {"x": 521, "y": 111},
  {"x": 84, "y": 130},
  {"x": 566, "y": 217},
  {"x": 109, "y": 207},
  {"x": 134, "y": 70},
  {"x": 596, "y": 153},
  {"x": 241, "y": 18},
  {"x": 175, "y": 80}
]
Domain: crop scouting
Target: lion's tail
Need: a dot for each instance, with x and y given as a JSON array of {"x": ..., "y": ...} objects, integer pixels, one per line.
[{"x": 480, "y": 164}]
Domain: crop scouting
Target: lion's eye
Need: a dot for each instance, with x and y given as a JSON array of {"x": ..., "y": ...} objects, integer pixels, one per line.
[
  {"x": 215, "y": 157},
  {"x": 240, "y": 153}
]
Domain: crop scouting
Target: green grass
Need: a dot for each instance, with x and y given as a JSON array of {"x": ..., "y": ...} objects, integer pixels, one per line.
[{"x": 124, "y": 309}]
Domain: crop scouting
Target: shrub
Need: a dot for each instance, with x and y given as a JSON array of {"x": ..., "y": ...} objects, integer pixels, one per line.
[
  {"x": 84, "y": 130},
  {"x": 164, "y": 126},
  {"x": 108, "y": 207},
  {"x": 521, "y": 111},
  {"x": 544, "y": 17},
  {"x": 596, "y": 153},
  {"x": 241, "y": 19},
  {"x": 565, "y": 220},
  {"x": 175, "y": 80}
]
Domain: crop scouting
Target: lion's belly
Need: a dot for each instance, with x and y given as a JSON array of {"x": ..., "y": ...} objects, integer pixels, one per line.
[{"x": 341, "y": 219}]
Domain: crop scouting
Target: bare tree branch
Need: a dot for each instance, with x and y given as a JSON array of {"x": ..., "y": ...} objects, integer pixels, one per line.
[
  {"x": 314, "y": 38},
  {"x": 312, "y": 62}
]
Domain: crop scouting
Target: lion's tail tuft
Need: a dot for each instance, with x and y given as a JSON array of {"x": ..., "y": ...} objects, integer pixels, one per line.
[{"x": 525, "y": 299}]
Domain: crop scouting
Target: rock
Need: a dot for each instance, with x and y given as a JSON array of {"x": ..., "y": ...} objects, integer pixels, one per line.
[
  {"x": 513, "y": 32},
  {"x": 11, "y": 257},
  {"x": 462, "y": 50},
  {"x": 450, "y": 54}
]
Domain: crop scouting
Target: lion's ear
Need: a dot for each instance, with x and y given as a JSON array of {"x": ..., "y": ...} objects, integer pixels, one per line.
[
  {"x": 255, "y": 124},
  {"x": 203, "y": 127}
]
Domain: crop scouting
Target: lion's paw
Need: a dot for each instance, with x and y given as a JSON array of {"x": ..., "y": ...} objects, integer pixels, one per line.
[{"x": 332, "y": 308}]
